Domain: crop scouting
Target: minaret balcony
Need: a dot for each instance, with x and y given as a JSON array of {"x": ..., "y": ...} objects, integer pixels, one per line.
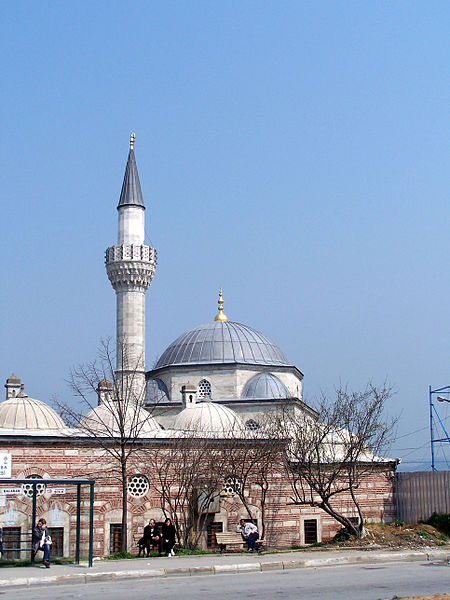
[
  {"x": 130, "y": 267},
  {"x": 130, "y": 252}
]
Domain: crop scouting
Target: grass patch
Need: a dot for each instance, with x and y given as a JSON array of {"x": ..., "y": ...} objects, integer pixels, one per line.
[
  {"x": 121, "y": 555},
  {"x": 26, "y": 562},
  {"x": 19, "y": 562},
  {"x": 180, "y": 551},
  {"x": 424, "y": 534},
  {"x": 343, "y": 535}
]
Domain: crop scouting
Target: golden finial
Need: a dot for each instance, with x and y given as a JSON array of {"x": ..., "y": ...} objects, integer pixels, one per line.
[
  {"x": 220, "y": 315},
  {"x": 132, "y": 138}
]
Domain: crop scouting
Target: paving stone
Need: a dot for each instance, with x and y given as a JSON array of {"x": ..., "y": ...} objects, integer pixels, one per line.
[
  {"x": 178, "y": 572},
  {"x": 202, "y": 570},
  {"x": 272, "y": 566},
  {"x": 94, "y": 577},
  {"x": 225, "y": 568},
  {"x": 249, "y": 567},
  {"x": 293, "y": 564}
]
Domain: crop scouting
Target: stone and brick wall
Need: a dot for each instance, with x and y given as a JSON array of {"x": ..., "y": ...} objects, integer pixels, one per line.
[{"x": 284, "y": 522}]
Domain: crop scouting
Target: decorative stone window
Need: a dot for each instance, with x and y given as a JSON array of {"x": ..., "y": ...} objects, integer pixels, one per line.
[
  {"x": 231, "y": 486},
  {"x": 251, "y": 425},
  {"x": 138, "y": 486},
  {"x": 204, "y": 389},
  {"x": 27, "y": 488}
]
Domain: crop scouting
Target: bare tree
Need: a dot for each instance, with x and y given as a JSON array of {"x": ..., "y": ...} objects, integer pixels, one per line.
[
  {"x": 330, "y": 457},
  {"x": 116, "y": 419},
  {"x": 187, "y": 475},
  {"x": 250, "y": 461}
]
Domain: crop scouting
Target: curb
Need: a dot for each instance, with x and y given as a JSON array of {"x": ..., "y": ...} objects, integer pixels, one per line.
[{"x": 77, "y": 578}]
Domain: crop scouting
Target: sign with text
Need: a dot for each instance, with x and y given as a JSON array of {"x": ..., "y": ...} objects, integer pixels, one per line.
[
  {"x": 56, "y": 491},
  {"x": 12, "y": 491},
  {"x": 5, "y": 465}
]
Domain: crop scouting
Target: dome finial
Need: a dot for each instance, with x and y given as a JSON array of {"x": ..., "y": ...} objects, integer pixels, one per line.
[
  {"x": 220, "y": 315},
  {"x": 132, "y": 138}
]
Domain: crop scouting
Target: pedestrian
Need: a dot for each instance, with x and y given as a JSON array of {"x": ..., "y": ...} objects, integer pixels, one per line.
[
  {"x": 152, "y": 537},
  {"x": 168, "y": 535},
  {"x": 250, "y": 534},
  {"x": 42, "y": 540}
]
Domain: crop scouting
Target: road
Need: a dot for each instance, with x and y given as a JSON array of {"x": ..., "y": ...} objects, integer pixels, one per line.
[{"x": 356, "y": 582}]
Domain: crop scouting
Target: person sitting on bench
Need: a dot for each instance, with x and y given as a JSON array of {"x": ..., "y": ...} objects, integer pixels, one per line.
[
  {"x": 152, "y": 537},
  {"x": 250, "y": 534}
]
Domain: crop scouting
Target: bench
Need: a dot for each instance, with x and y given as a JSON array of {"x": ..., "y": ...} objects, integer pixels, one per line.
[
  {"x": 139, "y": 541},
  {"x": 226, "y": 538}
]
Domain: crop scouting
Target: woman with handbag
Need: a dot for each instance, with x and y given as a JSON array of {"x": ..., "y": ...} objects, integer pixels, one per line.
[{"x": 42, "y": 541}]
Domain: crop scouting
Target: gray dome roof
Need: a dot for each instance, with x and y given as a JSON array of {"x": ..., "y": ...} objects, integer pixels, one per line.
[
  {"x": 222, "y": 342},
  {"x": 265, "y": 385},
  {"x": 156, "y": 391}
]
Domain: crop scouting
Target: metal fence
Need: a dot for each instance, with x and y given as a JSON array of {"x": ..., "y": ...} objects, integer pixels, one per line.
[{"x": 422, "y": 493}]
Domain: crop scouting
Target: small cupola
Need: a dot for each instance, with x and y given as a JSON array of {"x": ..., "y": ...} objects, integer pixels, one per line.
[
  {"x": 104, "y": 390},
  {"x": 189, "y": 396},
  {"x": 13, "y": 386}
]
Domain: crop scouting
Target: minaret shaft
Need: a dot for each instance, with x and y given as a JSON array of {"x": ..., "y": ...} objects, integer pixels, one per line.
[
  {"x": 131, "y": 225},
  {"x": 131, "y": 330}
]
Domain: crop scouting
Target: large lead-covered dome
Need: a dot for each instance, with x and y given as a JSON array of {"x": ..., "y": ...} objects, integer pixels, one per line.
[{"x": 222, "y": 342}]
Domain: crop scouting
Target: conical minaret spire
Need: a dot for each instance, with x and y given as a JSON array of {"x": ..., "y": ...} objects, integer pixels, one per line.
[
  {"x": 130, "y": 266},
  {"x": 131, "y": 194}
]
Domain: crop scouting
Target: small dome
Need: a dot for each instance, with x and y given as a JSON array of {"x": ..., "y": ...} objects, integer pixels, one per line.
[
  {"x": 22, "y": 412},
  {"x": 265, "y": 385},
  {"x": 222, "y": 342},
  {"x": 156, "y": 391},
  {"x": 103, "y": 420},
  {"x": 209, "y": 417}
]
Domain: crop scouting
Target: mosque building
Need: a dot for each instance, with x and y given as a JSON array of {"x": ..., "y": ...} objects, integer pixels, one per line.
[{"x": 218, "y": 377}]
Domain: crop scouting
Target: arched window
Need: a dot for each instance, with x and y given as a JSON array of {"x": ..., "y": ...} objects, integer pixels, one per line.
[{"x": 204, "y": 389}]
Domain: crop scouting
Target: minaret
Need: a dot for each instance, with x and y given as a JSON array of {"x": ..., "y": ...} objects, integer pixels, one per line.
[{"x": 130, "y": 266}]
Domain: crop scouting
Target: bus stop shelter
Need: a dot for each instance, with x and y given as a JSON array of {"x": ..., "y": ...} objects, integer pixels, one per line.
[{"x": 79, "y": 483}]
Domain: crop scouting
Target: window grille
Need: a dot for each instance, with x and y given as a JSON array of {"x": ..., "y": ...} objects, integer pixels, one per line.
[
  {"x": 251, "y": 425},
  {"x": 11, "y": 542},
  {"x": 231, "y": 486},
  {"x": 138, "y": 486},
  {"x": 27, "y": 488},
  {"x": 310, "y": 531},
  {"x": 212, "y": 529},
  {"x": 57, "y": 535},
  {"x": 204, "y": 389},
  {"x": 115, "y": 537}
]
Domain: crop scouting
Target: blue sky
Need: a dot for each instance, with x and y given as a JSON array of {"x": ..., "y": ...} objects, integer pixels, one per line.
[{"x": 295, "y": 153}]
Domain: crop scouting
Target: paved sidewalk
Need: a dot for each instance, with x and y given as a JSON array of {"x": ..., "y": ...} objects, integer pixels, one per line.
[{"x": 210, "y": 564}]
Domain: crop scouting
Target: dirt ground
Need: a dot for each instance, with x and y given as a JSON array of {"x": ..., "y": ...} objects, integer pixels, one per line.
[
  {"x": 407, "y": 536},
  {"x": 433, "y": 597}
]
